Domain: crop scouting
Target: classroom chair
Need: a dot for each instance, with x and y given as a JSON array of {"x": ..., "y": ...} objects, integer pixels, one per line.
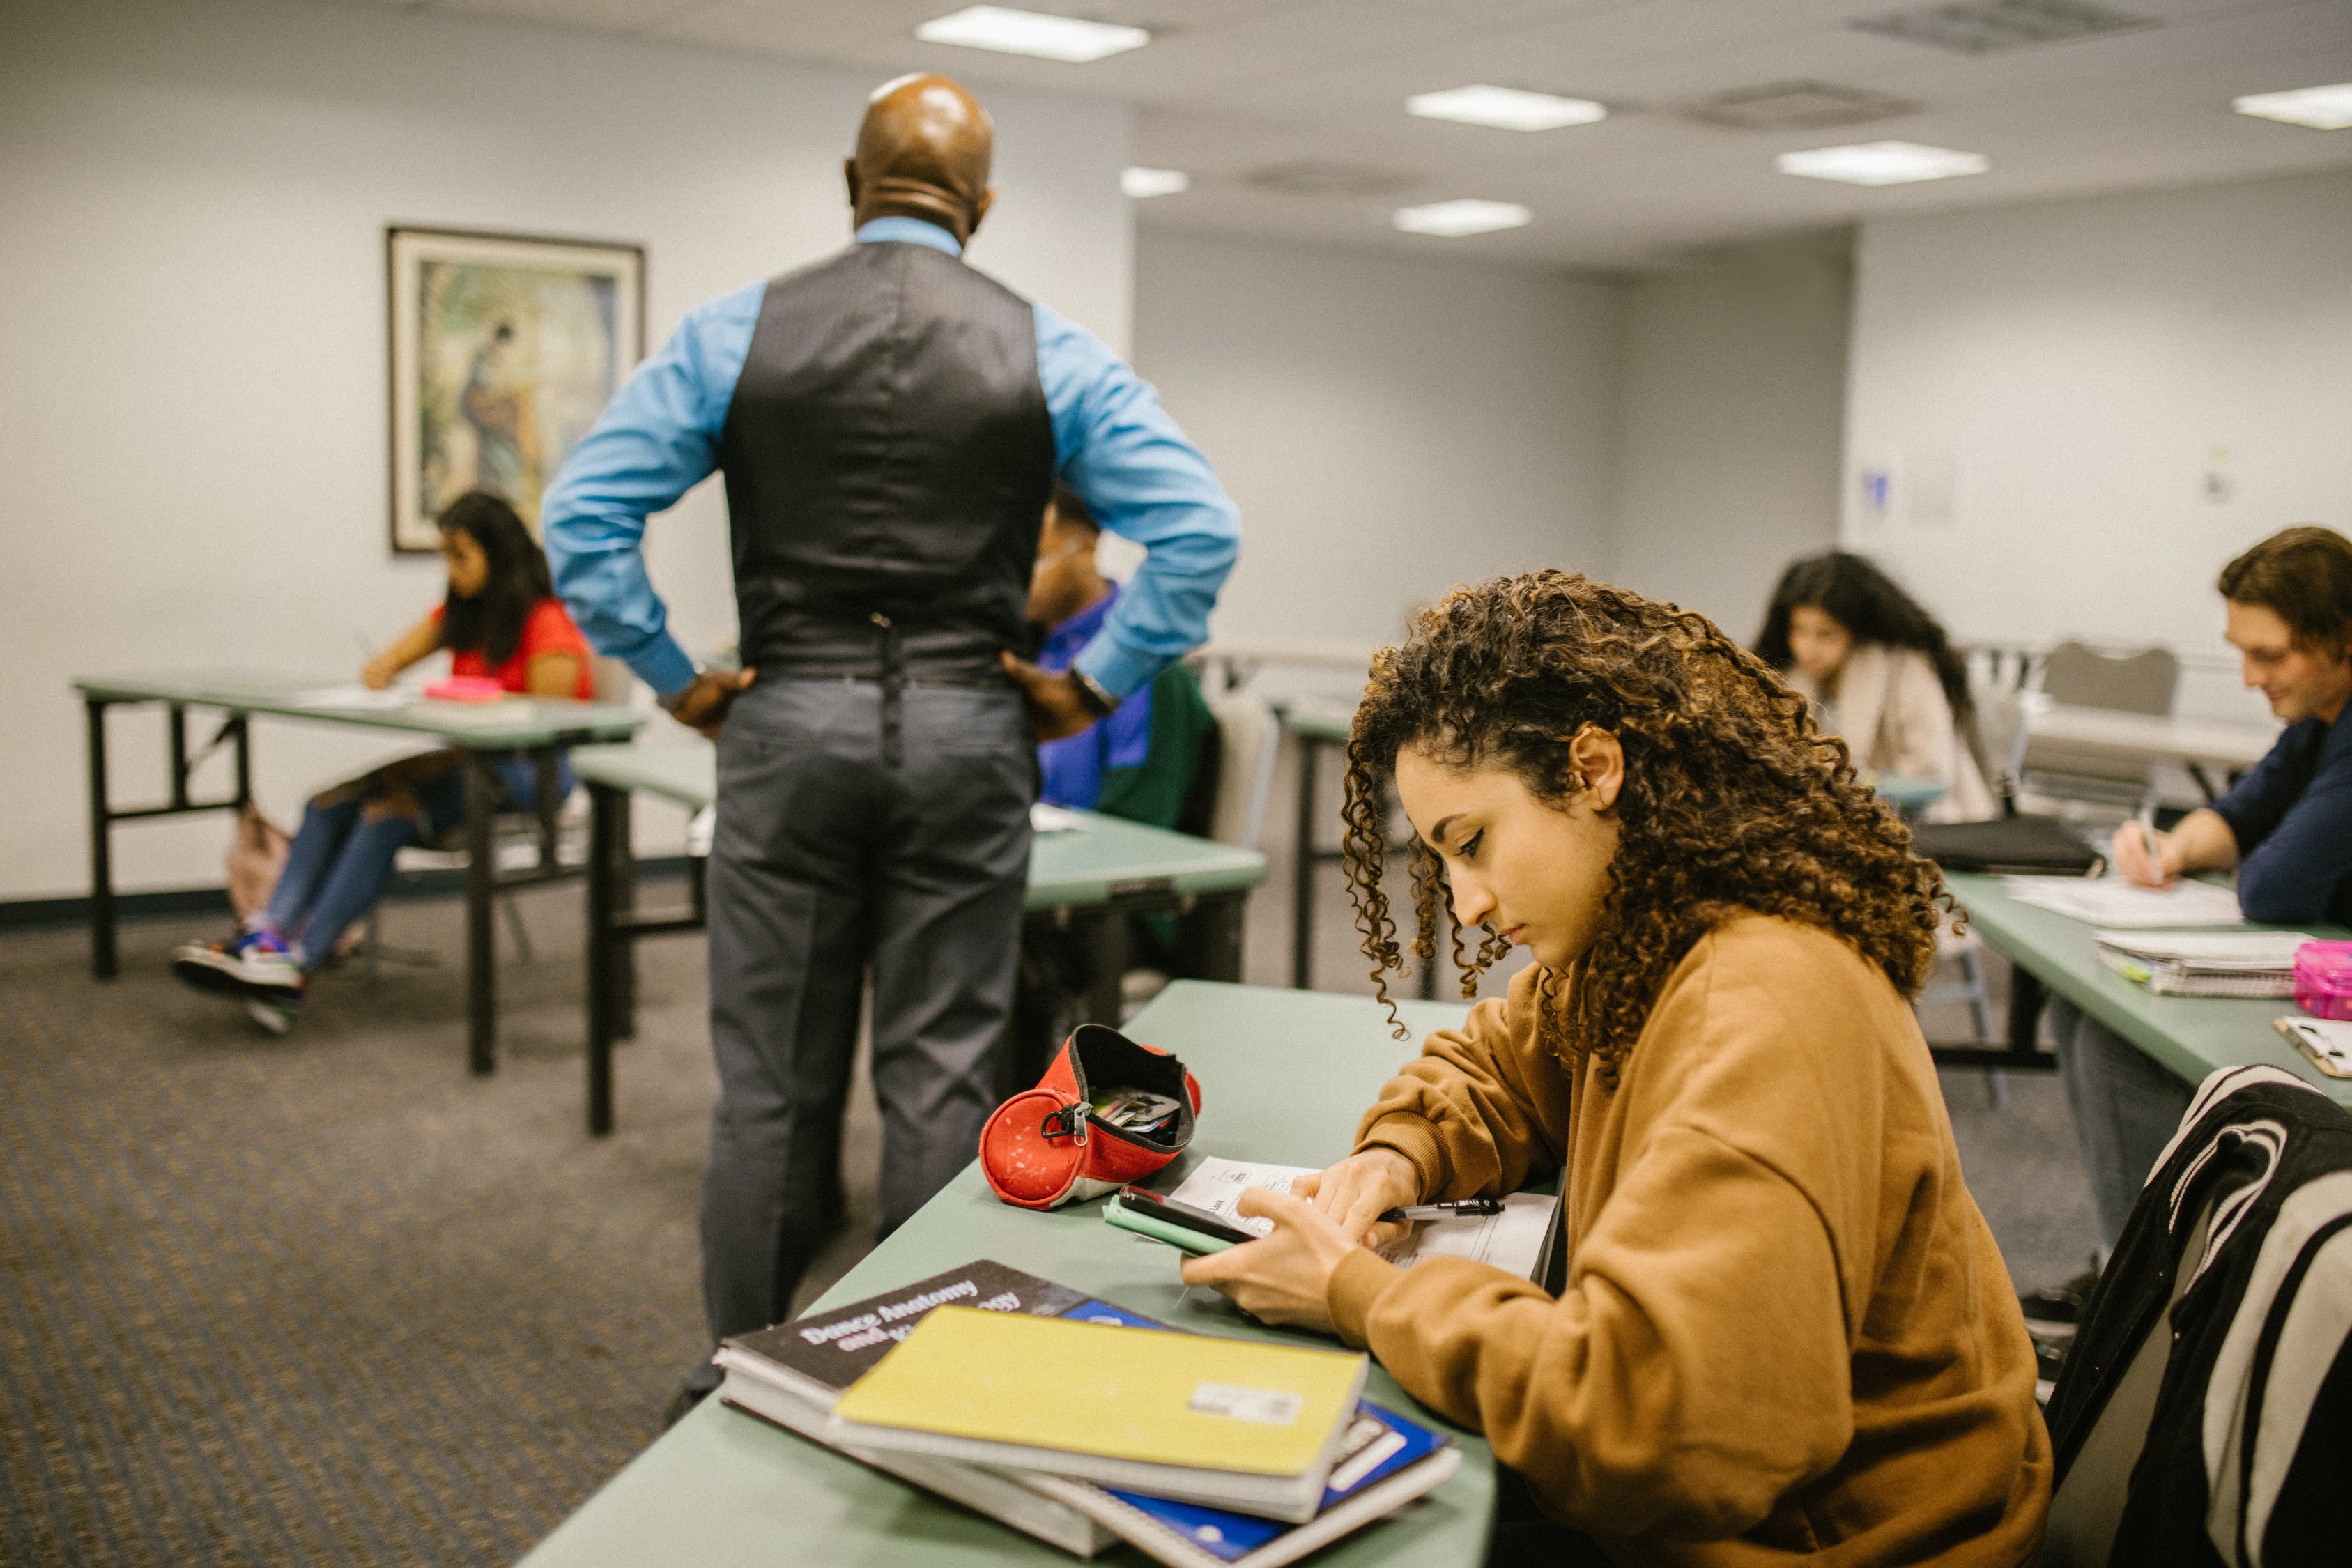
[
  {"x": 1997, "y": 677},
  {"x": 515, "y": 848},
  {"x": 1248, "y": 736},
  {"x": 1232, "y": 781},
  {"x": 2055, "y": 779}
]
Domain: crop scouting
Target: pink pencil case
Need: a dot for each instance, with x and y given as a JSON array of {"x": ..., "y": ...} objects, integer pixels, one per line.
[
  {"x": 466, "y": 689},
  {"x": 2323, "y": 979}
]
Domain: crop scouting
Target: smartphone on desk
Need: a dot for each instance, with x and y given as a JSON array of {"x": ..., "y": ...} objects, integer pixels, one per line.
[{"x": 1181, "y": 1226}]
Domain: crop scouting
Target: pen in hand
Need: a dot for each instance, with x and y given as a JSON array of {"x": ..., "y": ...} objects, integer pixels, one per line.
[
  {"x": 1458, "y": 1208},
  {"x": 2147, "y": 824}
]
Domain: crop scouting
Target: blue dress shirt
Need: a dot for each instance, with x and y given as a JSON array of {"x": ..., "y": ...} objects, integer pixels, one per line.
[
  {"x": 1113, "y": 444},
  {"x": 2292, "y": 817},
  {"x": 1071, "y": 770}
]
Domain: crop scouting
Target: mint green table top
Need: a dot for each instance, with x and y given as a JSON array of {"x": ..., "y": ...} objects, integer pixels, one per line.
[
  {"x": 722, "y": 1487},
  {"x": 1066, "y": 870},
  {"x": 484, "y": 726},
  {"x": 2189, "y": 1036},
  {"x": 1906, "y": 793}
]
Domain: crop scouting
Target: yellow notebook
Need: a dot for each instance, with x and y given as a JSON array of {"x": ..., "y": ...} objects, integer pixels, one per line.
[{"x": 1236, "y": 1424}]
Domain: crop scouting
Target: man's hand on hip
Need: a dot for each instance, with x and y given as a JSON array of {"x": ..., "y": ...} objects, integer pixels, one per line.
[
  {"x": 703, "y": 702},
  {"x": 1058, "y": 708}
]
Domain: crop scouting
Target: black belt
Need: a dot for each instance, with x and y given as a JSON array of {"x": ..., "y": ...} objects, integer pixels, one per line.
[{"x": 894, "y": 691}]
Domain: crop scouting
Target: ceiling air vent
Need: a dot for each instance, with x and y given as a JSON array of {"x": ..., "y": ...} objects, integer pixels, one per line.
[
  {"x": 1797, "y": 106},
  {"x": 1318, "y": 177},
  {"x": 1991, "y": 26}
]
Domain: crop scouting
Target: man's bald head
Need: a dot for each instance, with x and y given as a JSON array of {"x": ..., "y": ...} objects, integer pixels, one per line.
[{"x": 923, "y": 151}]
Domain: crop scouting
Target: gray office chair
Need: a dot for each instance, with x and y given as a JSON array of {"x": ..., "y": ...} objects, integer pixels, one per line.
[
  {"x": 2049, "y": 773},
  {"x": 1248, "y": 735},
  {"x": 1997, "y": 677}
]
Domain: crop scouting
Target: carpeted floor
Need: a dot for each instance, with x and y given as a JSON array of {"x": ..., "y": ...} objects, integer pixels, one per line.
[{"x": 329, "y": 1299}]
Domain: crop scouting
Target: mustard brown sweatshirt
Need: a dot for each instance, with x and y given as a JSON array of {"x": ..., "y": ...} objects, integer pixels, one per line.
[{"x": 1787, "y": 1333}]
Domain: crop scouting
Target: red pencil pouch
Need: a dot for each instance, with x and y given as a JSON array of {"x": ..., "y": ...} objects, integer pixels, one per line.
[
  {"x": 2323, "y": 979},
  {"x": 1052, "y": 1145}
]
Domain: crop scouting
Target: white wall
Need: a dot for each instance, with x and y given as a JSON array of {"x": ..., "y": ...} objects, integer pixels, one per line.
[
  {"x": 1730, "y": 405},
  {"x": 192, "y": 417},
  {"x": 2053, "y": 388},
  {"x": 1388, "y": 425}
]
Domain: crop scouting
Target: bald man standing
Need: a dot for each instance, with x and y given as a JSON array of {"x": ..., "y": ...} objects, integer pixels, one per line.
[{"x": 891, "y": 424}]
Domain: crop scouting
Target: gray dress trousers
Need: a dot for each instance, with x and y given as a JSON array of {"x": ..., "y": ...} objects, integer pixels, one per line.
[{"x": 830, "y": 858}]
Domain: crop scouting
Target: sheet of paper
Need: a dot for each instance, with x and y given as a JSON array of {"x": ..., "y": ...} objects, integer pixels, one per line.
[
  {"x": 2116, "y": 902},
  {"x": 1216, "y": 1185},
  {"x": 1043, "y": 818},
  {"x": 354, "y": 696},
  {"x": 1511, "y": 1240}
]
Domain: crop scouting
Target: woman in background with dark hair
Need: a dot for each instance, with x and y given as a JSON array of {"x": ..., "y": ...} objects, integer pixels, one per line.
[
  {"x": 501, "y": 620},
  {"x": 1880, "y": 673}
]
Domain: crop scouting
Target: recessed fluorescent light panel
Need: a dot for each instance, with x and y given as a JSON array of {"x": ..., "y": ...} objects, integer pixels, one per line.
[
  {"x": 1991, "y": 26},
  {"x": 2321, "y": 107},
  {"x": 1882, "y": 163},
  {"x": 1504, "y": 108},
  {"x": 1455, "y": 219},
  {"x": 1141, "y": 183},
  {"x": 1011, "y": 32}
]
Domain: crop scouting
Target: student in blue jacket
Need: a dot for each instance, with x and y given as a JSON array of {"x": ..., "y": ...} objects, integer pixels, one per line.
[{"x": 2285, "y": 828}]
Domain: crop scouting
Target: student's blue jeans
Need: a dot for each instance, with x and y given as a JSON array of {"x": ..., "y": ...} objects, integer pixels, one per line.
[
  {"x": 2126, "y": 1109},
  {"x": 340, "y": 862}
]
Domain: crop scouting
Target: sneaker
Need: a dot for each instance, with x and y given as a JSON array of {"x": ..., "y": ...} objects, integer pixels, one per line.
[
  {"x": 256, "y": 962},
  {"x": 275, "y": 1012},
  {"x": 2056, "y": 1312}
]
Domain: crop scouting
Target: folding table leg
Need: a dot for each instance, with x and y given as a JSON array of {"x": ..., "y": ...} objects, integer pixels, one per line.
[
  {"x": 1302, "y": 875},
  {"x": 607, "y": 948},
  {"x": 481, "y": 954},
  {"x": 102, "y": 862}
]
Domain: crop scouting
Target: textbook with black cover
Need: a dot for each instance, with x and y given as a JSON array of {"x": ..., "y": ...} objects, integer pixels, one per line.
[
  {"x": 791, "y": 1374},
  {"x": 825, "y": 1353},
  {"x": 1385, "y": 1462}
]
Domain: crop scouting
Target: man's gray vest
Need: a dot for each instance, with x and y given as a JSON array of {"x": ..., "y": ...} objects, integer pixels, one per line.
[{"x": 888, "y": 456}]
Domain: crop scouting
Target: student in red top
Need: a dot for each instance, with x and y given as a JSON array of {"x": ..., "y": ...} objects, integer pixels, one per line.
[{"x": 500, "y": 619}]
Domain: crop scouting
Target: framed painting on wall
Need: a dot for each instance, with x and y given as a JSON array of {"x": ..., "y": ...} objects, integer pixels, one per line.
[{"x": 504, "y": 351}]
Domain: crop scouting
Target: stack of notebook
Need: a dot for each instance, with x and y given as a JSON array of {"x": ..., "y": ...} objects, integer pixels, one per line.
[
  {"x": 2205, "y": 964},
  {"x": 1083, "y": 1423}
]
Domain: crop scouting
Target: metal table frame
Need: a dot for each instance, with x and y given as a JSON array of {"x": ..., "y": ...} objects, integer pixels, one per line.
[
  {"x": 1213, "y": 932},
  {"x": 478, "y": 753},
  {"x": 1314, "y": 731},
  {"x": 2189, "y": 1037}
]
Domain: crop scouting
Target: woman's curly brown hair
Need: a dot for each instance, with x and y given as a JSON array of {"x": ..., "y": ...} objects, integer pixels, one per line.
[{"x": 1734, "y": 799}]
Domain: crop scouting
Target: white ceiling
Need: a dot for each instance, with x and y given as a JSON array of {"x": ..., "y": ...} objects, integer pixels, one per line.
[{"x": 1229, "y": 87}]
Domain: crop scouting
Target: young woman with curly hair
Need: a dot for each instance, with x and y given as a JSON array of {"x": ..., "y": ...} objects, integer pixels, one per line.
[{"x": 1786, "y": 1329}]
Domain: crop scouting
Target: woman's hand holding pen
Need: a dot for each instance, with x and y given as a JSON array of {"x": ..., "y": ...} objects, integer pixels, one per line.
[{"x": 2145, "y": 855}]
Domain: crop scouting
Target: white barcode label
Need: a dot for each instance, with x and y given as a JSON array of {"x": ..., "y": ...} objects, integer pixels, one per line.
[{"x": 1263, "y": 1406}]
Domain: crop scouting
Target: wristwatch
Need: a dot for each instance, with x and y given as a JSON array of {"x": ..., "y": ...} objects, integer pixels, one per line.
[{"x": 1098, "y": 701}]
